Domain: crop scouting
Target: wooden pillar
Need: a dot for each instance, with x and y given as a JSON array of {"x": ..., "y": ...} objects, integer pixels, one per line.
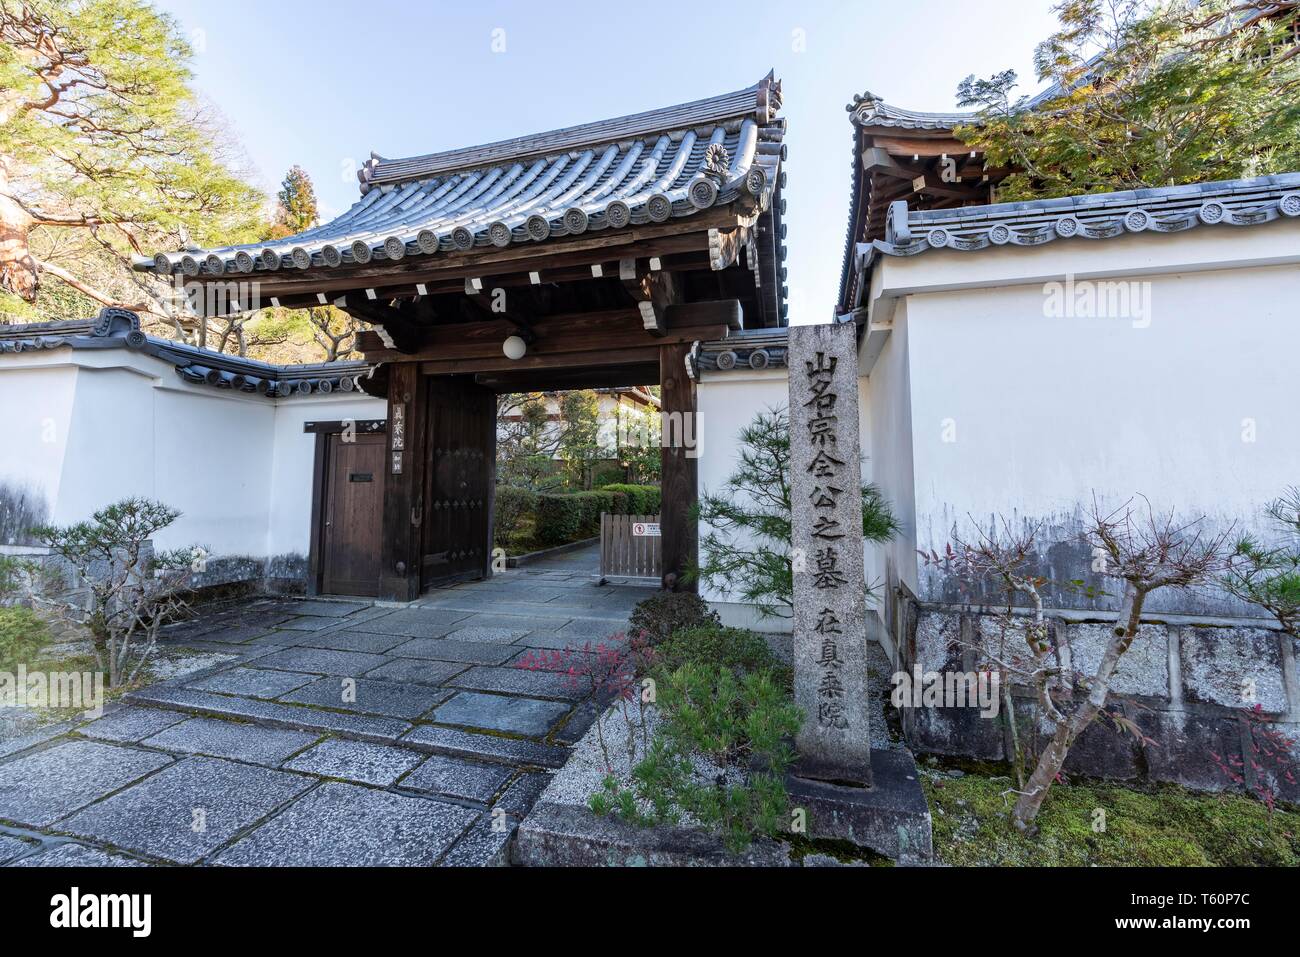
[
  {"x": 680, "y": 472},
  {"x": 408, "y": 407}
]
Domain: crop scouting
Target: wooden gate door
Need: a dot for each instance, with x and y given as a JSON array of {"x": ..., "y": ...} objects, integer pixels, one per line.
[
  {"x": 457, "y": 520},
  {"x": 354, "y": 510}
]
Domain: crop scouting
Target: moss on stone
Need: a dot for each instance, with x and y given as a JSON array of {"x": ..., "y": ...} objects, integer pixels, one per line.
[{"x": 1154, "y": 826}]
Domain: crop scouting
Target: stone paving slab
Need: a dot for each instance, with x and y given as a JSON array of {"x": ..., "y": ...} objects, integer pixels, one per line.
[
  {"x": 417, "y": 671},
  {"x": 485, "y": 844},
  {"x": 225, "y": 739},
  {"x": 440, "y": 649},
  {"x": 253, "y": 682},
  {"x": 40, "y": 788},
  {"x": 484, "y": 746},
  {"x": 536, "y": 684},
  {"x": 189, "y": 810},
  {"x": 524, "y": 623},
  {"x": 76, "y": 855},
  {"x": 523, "y": 794},
  {"x": 359, "y": 761},
  {"x": 321, "y": 661},
  {"x": 131, "y": 724},
  {"x": 326, "y": 609},
  {"x": 345, "y": 825},
  {"x": 457, "y": 777},
  {"x": 11, "y": 847},
  {"x": 388, "y": 698},
  {"x": 580, "y": 630},
  {"x": 500, "y": 636},
  {"x": 315, "y": 623},
  {"x": 413, "y": 623},
  {"x": 235, "y": 634},
  {"x": 31, "y": 739},
  {"x": 375, "y": 644},
  {"x": 274, "y": 714},
  {"x": 500, "y": 713}
]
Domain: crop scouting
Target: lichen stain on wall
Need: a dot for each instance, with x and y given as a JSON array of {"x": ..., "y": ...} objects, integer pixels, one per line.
[
  {"x": 22, "y": 507},
  {"x": 1064, "y": 556}
]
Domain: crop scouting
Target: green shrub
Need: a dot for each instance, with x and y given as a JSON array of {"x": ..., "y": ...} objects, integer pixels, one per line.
[
  {"x": 22, "y": 634},
  {"x": 741, "y": 725},
  {"x": 606, "y": 475},
  {"x": 641, "y": 499},
  {"x": 513, "y": 508},
  {"x": 559, "y": 519},
  {"x": 666, "y": 612},
  {"x": 716, "y": 647}
]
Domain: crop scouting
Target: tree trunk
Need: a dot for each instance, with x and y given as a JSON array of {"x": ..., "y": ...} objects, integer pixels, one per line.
[
  {"x": 18, "y": 274},
  {"x": 1067, "y": 732}
]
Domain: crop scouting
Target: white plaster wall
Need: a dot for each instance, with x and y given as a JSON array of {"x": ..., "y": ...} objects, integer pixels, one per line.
[
  {"x": 90, "y": 427},
  {"x": 1020, "y": 414},
  {"x": 726, "y": 403}
]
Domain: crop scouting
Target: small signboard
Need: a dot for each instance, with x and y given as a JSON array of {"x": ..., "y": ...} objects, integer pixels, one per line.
[{"x": 645, "y": 529}]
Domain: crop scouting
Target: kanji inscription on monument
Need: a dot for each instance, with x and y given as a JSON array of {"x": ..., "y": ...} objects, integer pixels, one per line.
[{"x": 830, "y": 665}]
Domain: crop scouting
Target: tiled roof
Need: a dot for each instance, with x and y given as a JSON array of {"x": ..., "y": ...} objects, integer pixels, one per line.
[
  {"x": 649, "y": 167},
  {"x": 743, "y": 350},
  {"x": 1241, "y": 202},
  {"x": 118, "y": 328}
]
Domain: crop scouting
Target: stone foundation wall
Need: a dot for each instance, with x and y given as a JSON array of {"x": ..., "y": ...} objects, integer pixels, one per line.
[{"x": 1188, "y": 686}]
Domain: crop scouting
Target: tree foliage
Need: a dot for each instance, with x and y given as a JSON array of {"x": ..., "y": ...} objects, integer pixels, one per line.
[
  {"x": 106, "y": 152},
  {"x": 1145, "y": 94},
  {"x": 1269, "y": 575},
  {"x": 746, "y": 552}
]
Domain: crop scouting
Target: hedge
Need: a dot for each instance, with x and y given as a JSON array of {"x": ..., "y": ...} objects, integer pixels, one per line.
[
  {"x": 641, "y": 499},
  {"x": 560, "y": 518}
]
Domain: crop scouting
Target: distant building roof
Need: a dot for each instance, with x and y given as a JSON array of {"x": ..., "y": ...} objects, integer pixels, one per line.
[
  {"x": 120, "y": 329},
  {"x": 644, "y": 168}
]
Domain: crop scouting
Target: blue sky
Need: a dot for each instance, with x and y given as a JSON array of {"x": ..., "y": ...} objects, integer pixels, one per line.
[{"x": 323, "y": 83}]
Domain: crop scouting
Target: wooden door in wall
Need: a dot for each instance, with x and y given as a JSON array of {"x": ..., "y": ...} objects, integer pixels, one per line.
[
  {"x": 354, "y": 513},
  {"x": 459, "y": 491}
]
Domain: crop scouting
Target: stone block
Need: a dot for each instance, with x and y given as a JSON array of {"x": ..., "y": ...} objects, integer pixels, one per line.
[
  {"x": 130, "y": 724},
  {"x": 388, "y": 698},
  {"x": 227, "y": 739},
  {"x": 344, "y": 825},
  {"x": 1233, "y": 667},
  {"x": 40, "y": 788},
  {"x": 320, "y": 661},
  {"x": 469, "y": 652},
  {"x": 938, "y": 634},
  {"x": 360, "y": 761},
  {"x": 188, "y": 810},
  {"x": 527, "y": 716},
  {"x": 415, "y": 671},
  {"x": 457, "y": 777},
  {"x": 1144, "y": 668},
  {"x": 414, "y": 623},
  {"x": 487, "y": 747},
  {"x": 537, "y": 684},
  {"x": 253, "y": 682},
  {"x": 354, "y": 641},
  {"x": 76, "y": 855}
]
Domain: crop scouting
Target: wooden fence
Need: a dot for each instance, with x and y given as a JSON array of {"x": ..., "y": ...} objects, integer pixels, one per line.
[{"x": 630, "y": 547}]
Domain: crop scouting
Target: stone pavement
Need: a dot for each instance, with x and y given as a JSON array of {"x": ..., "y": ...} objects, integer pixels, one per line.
[{"x": 335, "y": 733}]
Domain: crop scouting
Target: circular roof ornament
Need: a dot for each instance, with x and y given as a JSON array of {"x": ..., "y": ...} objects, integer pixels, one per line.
[
  {"x": 270, "y": 258},
  {"x": 301, "y": 258},
  {"x": 325, "y": 387},
  {"x": 726, "y": 360},
  {"x": 759, "y": 359},
  {"x": 189, "y": 265},
  {"x": 330, "y": 253},
  {"x": 659, "y": 207},
  {"x": 462, "y": 238},
  {"x": 618, "y": 214},
  {"x": 756, "y": 180},
  {"x": 394, "y": 247},
  {"x": 161, "y": 263},
  {"x": 135, "y": 339},
  {"x": 499, "y": 233},
  {"x": 1290, "y": 204},
  {"x": 1210, "y": 213},
  {"x": 215, "y": 264},
  {"x": 244, "y": 262},
  {"x": 539, "y": 227},
  {"x": 1067, "y": 226},
  {"x": 702, "y": 193},
  {"x": 1137, "y": 221},
  {"x": 1000, "y": 235},
  {"x": 427, "y": 240},
  {"x": 938, "y": 238},
  {"x": 575, "y": 220},
  {"x": 361, "y": 251}
]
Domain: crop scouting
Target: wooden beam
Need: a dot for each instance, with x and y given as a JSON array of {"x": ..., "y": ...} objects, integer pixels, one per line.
[
  {"x": 561, "y": 360},
  {"x": 679, "y": 472},
  {"x": 713, "y": 312},
  {"x": 604, "y": 377},
  {"x": 575, "y": 332},
  {"x": 399, "y": 575},
  {"x": 654, "y": 291}
]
